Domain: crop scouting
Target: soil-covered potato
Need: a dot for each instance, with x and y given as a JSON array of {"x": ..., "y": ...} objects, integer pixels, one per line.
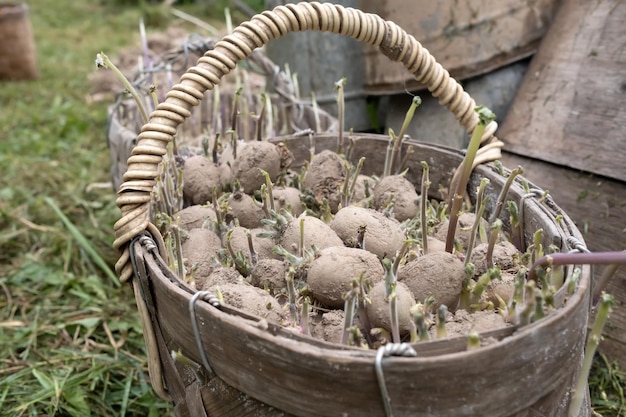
[
  {"x": 326, "y": 164},
  {"x": 269, "y": 274},
  {"x": 379, "y": 313},
  {"x": 439, "y": 274},
  {"x": 383, "y": 235},
  {"x": 331, "y": 273},
  {"x": 220, "y": 276},
  {"x": 194, "y": 217},
  {"x": 463, "y": 229},
  {"x": 238, "y": 240},
  {"x": 263, "y": 246},
  {"x": 505, "y": 255},
  {"x": 502, "y": 288},
  {"x": 324, "y": 178},
  {"x": 316, "y": 232},
  {"x": 329, "y": 327},
  {"x": 287, "y": 198},
  {"x": 200, "y": 177},
  {"x": 251, "y": 158},
  {"x": 199, "y": 247},
  {"x": 400, "y": 191},
  {"x": 435, "y": 245},
  {"x": 245, "y": 209},
  {"x": 251, "y": 299},
  {"x": 463, "y": 323}
]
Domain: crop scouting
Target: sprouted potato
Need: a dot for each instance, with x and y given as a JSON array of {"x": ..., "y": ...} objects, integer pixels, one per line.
[{"x": 308, "y": 249}]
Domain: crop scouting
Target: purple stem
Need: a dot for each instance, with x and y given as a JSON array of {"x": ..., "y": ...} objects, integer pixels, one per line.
[{"x": 576, "y": 258}]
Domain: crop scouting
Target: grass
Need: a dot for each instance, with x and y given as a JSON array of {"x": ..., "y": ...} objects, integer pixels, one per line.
[
  {"x": 71, "y": 342},
  {"x": 70, "y": 336},
  {"x": 607, "y": 384}
]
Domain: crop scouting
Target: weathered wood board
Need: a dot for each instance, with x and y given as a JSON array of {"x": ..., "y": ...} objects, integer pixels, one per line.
[
  {"x": 571, "y": 107},
  {"x": 468, "y": 38},
  {"x": 598, "y": 207}
]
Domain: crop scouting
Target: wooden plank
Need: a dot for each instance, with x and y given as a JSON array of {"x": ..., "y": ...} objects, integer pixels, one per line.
[
  {"x": 571, "y": 109},
  {"x": 598, "y": 206},
  {"x": 469, "y": 38}
]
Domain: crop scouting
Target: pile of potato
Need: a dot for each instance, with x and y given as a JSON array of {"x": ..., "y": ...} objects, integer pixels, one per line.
[{"x": 328, "y": 252}]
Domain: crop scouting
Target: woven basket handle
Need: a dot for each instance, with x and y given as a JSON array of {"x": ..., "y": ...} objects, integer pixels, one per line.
[{"x": 395, "y": 43}]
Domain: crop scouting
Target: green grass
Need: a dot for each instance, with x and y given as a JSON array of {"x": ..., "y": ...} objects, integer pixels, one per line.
[
  {"x": 70, "y": 338},
  {"x": 607, "y": 384}
]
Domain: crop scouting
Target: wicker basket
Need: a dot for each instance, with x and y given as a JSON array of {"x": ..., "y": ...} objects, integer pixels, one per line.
[
  {"x": 288, "y": 114},
  {"x": 17, "y": 49},
  {"x": 255, "y": 368}
]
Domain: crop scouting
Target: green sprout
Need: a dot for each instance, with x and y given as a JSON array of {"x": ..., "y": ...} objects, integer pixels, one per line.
[
  {"x": 539, "y": 306},
  {"x": 481, "y": 285},
  {"x": 254, "y": 256},
  {"x": 419, "y": 319},
  {"x": 304, "y": 316},
  {"x": 392, "y": 296},
  {"x": 442, "y": 311},
  {"x": 351, "y": 298},
  {"x": 496, "y": 226},
  {"x": 481, "y": 202},
  {"x": 269, "y": 188},
  {"x": 233, "y": 122},
  {"x": 607, "y": 302},
  {"x": 363, "y": 301},
  {"x": 406, "y": 245},
  {"x": 339, "y": 86},
  {"x": 467, "y": 286},
  {"x": 389, "y": 153},
  {"x": 410, "y": 150},
  {"x": 503, "y": 193},
  {"x": 514, "y": 218},
  {"x": 415, "y": 103},
  {"x": 239, "y": 261},
  {"x": 261, "y": 118},
  {"x": 526, "y": 314},
  {"x": 573, "y": 281},
  {"x": 350, "y": 182},
  {"x": 423, "y": 204},
  {"x": 536, "y": 248},
  {"x": 473, "y": 340},
  {"x": 485, "y": 116},
  {"x": 103, "y": 61},
  {"x": 292, "y": 296},
  {"x": 397, "y": 143}
]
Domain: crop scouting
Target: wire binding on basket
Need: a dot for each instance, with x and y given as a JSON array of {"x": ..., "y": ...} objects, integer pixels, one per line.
[
  {"x": 213, "y": 300},
  {"x": 390, "y": 349},
  {"x": 393, "y": 41},
  {"x": 577, "y": 245}
]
